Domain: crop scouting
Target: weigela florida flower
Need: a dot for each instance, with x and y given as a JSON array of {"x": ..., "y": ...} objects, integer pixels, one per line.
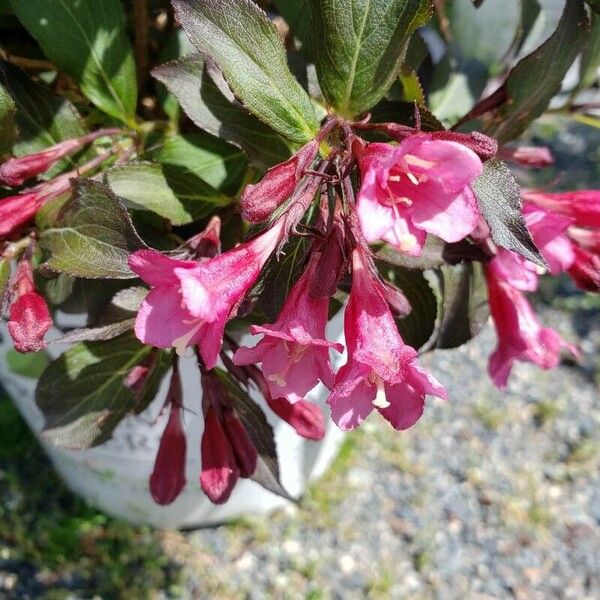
[
  {"x": 420, "y": 186},
  {"x": 294, "y": 352},
  {"x": 190, "y": 302},
  {"x": 520, "y": 335},
  {"x": 381, "y": 371}
]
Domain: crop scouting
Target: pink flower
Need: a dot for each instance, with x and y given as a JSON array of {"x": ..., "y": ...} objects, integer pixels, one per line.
[
  {"x": 190, "y": 302},
  {"x": 520, "y": 335},
  {"x": 29, "y": 315},
  {"x": 294, "y": 352},
  {"x": 246, "y": 455},
  {"x": 260, "y": 200},
  {"x": 548, "y": 232},
  {"x": 168, "y": 476},
  {"x": 15, "y": 171},
  {"x": 582, "y": 206},
  {"x": 381, "y": 371},
  {"x": 420, "y": 186}
]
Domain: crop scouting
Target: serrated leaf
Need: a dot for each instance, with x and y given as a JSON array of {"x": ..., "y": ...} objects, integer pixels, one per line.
[
  {"x": 247, "y": 48},
  {"x": 205, "y": 104},
  {"x": 93, "y": 237},
  {"x": 537, "y": 78},
  {"x": 261, "y": 434},
  {"x": 82, "y": 396},
  {"x": 42, "y": 118},
  {"x": 7, "y": 120},
  {"x": 463, "y": 305},
  {"x": 499, "y": 198},
  {"x": 359, "y": 46},
  {"x": 172, "y": 193},
  {"x": 87, "y": 40},
  {"x": 215, "y": 161},
  {"x": 404, "y": 113},
  {"x": 417, "y": 327}
]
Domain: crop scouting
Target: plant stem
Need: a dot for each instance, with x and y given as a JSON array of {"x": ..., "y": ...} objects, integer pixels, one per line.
[
  {"x": 140, "y": 22},
  {"x": 29, "y": 64}
]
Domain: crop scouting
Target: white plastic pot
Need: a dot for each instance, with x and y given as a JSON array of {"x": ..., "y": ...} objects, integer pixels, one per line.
[{"x": 114, "y": 476}]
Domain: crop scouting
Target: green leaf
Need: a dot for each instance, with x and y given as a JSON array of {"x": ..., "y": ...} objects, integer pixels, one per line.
[
  {"x": 215, "y": 161},
  {"x": 246, "y": 46},
  {"x": 499, "y": 199},
  {"x": 417, "y": 327},
  {"x": 42, "y": 118},
  {"x": 82, "y": 396},
  {"x": 7, "y": 121},
  {"x": 359, "y": 46},
  {"x": 87, "y": 40},
  {"x": 595, "y": 4},
  {"x": 537, "y": 78},
  {"x": 93, "y": 237},
  {"x": 404, "y": 113},
  {"x": 205, "y": 104},
  {"x": 171, "y": 192},
  {"x": 431, "y": 256},
  {"x": 261, "y": 434},
  {"x": 5, "y": 273},
  {"x": 30, "y": 365},
  {"x": 463, "y": 304}
]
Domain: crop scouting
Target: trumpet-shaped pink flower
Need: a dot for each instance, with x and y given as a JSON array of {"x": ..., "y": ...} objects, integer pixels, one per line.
[
  {"x": 294, "y": 352},
  {"x": 190, "y": 302},
  {"x": 583, "y": 206},
  {"x": 168, "y": 476},
  {"x": 381, "y": 371},
  {"x": 535, "y": 157},
  {"x": 585, "y": 270},
  {"x": 420, "y": 186},
  {"x": 259, "y": 200},
  {"x": 520, "y": 335}
]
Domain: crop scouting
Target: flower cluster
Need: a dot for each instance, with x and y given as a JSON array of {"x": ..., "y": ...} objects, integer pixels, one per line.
[{"x": 343, "y": 198}]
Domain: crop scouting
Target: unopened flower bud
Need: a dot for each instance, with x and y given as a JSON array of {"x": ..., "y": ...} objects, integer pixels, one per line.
[
  {"x": 306, "y": 418},
  {"x": 244, "y": 450}
]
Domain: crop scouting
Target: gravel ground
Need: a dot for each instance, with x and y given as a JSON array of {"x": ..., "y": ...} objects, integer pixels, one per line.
[{"x": 490, "y": 496}]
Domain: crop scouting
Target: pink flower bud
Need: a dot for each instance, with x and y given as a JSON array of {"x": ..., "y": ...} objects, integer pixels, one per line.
[
  {"x": 306, "y": 418},
  {"x": 137, "y": 377},
  {"x": 29, "y": 315},
  {"x": 219, "y": 468},
  {"x": 16, "y": 171},
  {"x": 528, "y": 156},
  {"x": 208, "y": 242},
  {"x": 244, "y": 450},
  {"x": 582, "y": 206},
  {"x": 585, "y": 270},
  {"x": 260, "y": 200},
  {"x": 168, "y": 477},
  {"x": 29, "y": 322}
]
